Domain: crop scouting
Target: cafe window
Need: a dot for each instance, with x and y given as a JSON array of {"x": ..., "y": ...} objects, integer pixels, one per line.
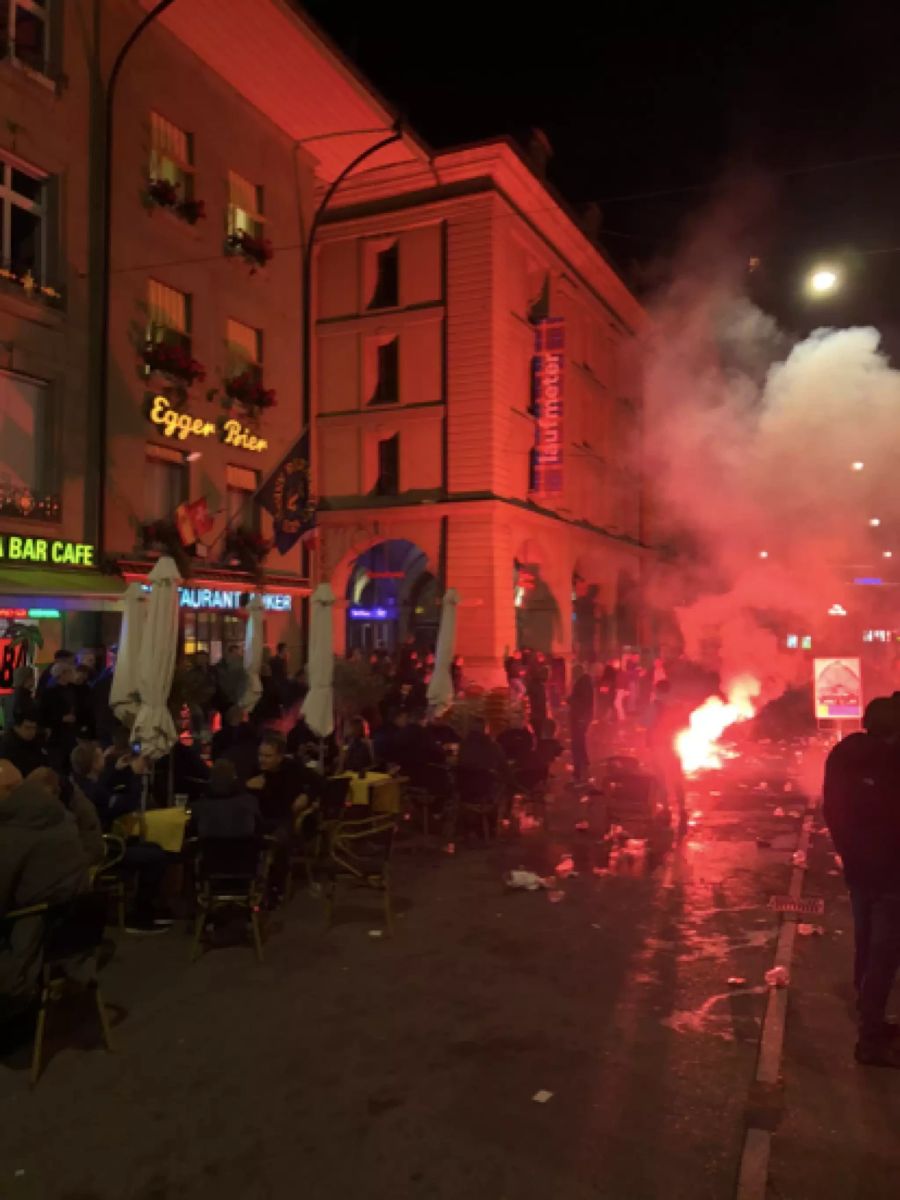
[
  {"x": 387, "y": 372},
  {"x": 26, "y": 451},
  {"x": 387, "y": 482},
  {"x": 387, "y": 277},
  {"x": 168, "y": 315},
  {"x": 244, "y": 349},
  {"x": 172, "y": 156},
  {"x": 24, "y": 194},
  {"x": 245, "y": 207},
  {"x": 241, "y": 485},
  {"x": 165, "y": 482},
  {"x": 212, "y": 632},
  {"x": 25, "y": 32}
]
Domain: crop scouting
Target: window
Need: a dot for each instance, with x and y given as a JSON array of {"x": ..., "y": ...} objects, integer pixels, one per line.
[
  {"x": 24, "y": 32},
  {"x": 27, "y": 477},
  {"x": 23, "y": 211},
  {"x": 165, "y": 483},
  {"x": 387, "y": 373},
  {"x": 168, "y": 315},
  {"x": 212, "y": 632},
  {"x": 388, "y": 481},
  {"x": 172, "y": 156},
  {"x": 240, "y": 488},
  {"x": 245, "y": 207},
  {"x": 244, "y": 350},
  {"x": 386, "y": 293}
]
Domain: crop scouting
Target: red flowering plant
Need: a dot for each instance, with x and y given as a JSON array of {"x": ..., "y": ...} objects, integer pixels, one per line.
[
  {"x": 173, "y": 359},
  {"x": 247, "y": 392},
  {"x": 247, "y": 549},
  {"x": 164, "y": 194},
  {"x": 163, "y": 536},
  {"x": 257, "y": 250}
]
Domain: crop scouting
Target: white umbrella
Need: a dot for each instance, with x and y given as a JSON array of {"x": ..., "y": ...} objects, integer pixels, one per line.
[
  {"x": 253, "y": 648},
  {"x": 440, "y": 687},
  {"x": 123, "y": 694},
  {"x": 153, "y": 725},
  {"x": 318, "y": 706}
]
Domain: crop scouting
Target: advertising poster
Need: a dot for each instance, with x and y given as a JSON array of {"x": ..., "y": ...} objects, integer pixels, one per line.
[{"x": 837, "y": 684}]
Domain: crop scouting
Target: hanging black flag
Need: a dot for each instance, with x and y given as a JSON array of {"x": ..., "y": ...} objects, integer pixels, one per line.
[{"x": 285, "y": 494}]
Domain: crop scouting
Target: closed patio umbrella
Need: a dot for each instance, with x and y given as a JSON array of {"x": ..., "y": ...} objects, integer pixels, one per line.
[
  {"x": 318, "y": 706},
  {"x": 123, "y": 694},
  {"x": 440, "y": 687},
  {"x": 253, "y": 648},
  {"x": 153, "y": 725}
]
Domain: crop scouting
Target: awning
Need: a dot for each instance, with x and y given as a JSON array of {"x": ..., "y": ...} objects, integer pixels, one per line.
[{"x": 89, "y": 591}]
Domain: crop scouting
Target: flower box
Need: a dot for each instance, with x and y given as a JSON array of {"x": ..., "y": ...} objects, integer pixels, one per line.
[
  {"x": 256, "y": 250},
  {"x": 247, "y": 549},
  {"x": 247, "y": 392},
  {"x": 175, "y": 361},
  {"x": 164, "y": 194}
]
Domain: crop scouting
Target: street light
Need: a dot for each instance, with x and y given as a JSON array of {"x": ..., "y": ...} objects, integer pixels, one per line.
[
  {"x": 857, "y": 466},
  {"x": 763, "y": 554},
  {"x": 887, "y": 554},
  {"x": 823, "y": 281},
  {"x": 874, "y": 522}
]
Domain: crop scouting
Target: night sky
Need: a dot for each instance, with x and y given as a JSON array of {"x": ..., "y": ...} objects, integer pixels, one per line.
[{"x": 650, "y": 107}]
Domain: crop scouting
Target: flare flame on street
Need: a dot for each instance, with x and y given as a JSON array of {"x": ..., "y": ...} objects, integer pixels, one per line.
[{"x": 698, "y": 746}]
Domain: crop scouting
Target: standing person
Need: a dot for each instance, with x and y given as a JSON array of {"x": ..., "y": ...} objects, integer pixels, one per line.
[
  {"x": 606, "y": 692},
  {"x": 581, "y": 713},
  {"x": 61, "y": 656},
  {"x": 862, "y": 811},
  {"x": 278, "y": 665},
  {"x": 59, "y": 703},
  {"x": 23, "y": 745},
  {"x": 536, "y": 690},
  {"x": 21, "y": 696},
  {"x": 665, "y": 721},
  {"x": 104, "y": 718},
  {"x": 230, "y": 677}
]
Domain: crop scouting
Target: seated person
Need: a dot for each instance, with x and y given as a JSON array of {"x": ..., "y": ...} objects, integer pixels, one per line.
[
  {"x": 23, "y": 745},
  {"x": 357, "y": 754},
  {"x": 283, "y": 787},
  {"x": 479, "y": 752},
  {"x": 228, "y": 810},
  {"x": 305, "y": 746},
  {"x": 418, "y": 746},
  {"x": 536, "y": 770},
  {"x": 517, "y": 742},
  {"x": 443, "y": 732},
  {"x": 236, "y": 742},
  {"x": 189, "y": 776},
  {"x": 79, "y": 811}
]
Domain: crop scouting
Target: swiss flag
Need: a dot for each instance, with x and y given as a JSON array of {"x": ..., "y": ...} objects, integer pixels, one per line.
[{"x": 193, "y": 519}]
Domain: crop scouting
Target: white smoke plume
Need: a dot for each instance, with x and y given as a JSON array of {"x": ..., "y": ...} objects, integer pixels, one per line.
[{"x": 750, "y": 442}]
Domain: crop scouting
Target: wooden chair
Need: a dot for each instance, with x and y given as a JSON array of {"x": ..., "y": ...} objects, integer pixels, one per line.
[
  {"x": 108, "y": 879},
  {"x": 360, "y": 853},
  {"x": 231, "y": 873},
  {"x": 478, "y": 797},
  {"x": 72, "y": 930}
]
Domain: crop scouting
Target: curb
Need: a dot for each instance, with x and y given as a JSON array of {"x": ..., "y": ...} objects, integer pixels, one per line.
[{"x": 753, "y": 1175}]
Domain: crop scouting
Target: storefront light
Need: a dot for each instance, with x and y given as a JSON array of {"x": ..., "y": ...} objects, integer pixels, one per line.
[
  {"x": 368, "y": 614},
  {"x": 44, "y": 614}
]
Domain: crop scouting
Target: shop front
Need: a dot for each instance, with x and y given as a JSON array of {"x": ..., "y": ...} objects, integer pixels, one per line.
[
  {"x": 212, "y": 617},
  {"x": 391, "y": 596}
]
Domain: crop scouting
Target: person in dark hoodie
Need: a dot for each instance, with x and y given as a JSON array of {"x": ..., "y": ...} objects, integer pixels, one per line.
[
  {"x": 42, "y": 861},
  {"x": 862, "y": 811},
  {"x": 23, "y": 745},
  {"x": 228, "y": 810}
]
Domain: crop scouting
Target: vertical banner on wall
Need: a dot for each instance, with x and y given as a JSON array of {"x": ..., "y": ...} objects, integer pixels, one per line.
[{"x": 547, "y": 404}]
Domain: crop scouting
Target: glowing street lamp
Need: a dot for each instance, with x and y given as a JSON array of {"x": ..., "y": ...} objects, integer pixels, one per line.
[
  {"x": 857, "y": 466},
  {"x": 823, "y": 281},
  {"x": 763, "y": 554},
  {"x": 887, "y": 554},
  {"x": 874, "y": 522}
]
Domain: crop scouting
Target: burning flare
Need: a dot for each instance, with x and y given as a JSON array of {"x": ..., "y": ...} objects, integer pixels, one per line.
[{"x": 698, "y": 745}]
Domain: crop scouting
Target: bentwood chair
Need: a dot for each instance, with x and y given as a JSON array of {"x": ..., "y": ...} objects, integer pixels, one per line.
[
  {"x": 231, "y": 874},
  {"x": 108, "y": 879},
  {"x": 359, "y": 852},
  {"x": 67, "y": 939}
]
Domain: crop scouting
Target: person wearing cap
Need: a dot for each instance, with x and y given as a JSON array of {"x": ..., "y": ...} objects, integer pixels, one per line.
[{"x": 862, "y": 811}]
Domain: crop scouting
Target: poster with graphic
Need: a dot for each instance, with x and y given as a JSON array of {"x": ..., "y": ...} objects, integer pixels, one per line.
[{"x": 837, "y": 683}]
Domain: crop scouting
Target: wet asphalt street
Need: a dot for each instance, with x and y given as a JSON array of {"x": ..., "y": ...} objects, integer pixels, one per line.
[{"x": 349, "y": 1065}]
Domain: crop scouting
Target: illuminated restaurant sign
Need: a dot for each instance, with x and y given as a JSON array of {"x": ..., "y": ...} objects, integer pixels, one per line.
[
  {"x": 173, "y": 423},
  {"x": 220, "y": 600},
  {"x": 49, "y": 551},
  {"x": 547, "y": 405}
]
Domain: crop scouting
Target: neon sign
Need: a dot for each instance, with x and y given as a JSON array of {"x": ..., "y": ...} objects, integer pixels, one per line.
[
  {"x": 368, "y": 614},
  {"x": 182, "y": 425},
  {"x": 221, "y": 600},
  {"x": 13, "y": 614},
  {"x": 15, "y": 549},
  {"x": 547, "y": 403},
  {"x": 386, "y": 574}
]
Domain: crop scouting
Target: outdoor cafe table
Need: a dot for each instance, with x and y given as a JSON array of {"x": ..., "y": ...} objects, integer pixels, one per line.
[
  {"x": 375, "y": 789},
  {"x": 164, "y": 826}
]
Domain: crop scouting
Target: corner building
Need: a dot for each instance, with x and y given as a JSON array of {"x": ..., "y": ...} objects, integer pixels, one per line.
[{"x": 478, "y": 416}]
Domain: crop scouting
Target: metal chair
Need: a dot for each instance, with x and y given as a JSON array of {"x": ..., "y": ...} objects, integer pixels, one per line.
[
  {"x": 230, "y": 873},
  {"x": 72, "y": 930},
  {"x": 108, "y": 879},
  {"x": 360, "y": 852}
]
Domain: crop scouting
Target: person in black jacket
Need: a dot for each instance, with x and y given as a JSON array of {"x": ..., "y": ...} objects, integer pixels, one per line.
[
  {"x": 23, "y": 745},
  {"x": 581, "y": 713},
  {"x": 862, "y": 811}
]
